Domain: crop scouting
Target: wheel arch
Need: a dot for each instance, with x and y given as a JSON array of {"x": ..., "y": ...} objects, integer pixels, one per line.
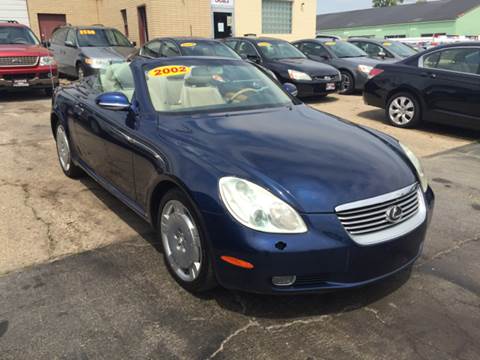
[{"x": 409, "y": 90}]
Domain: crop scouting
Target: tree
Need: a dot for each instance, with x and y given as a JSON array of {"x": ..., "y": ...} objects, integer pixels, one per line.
[{"x": 383, "y": 3}]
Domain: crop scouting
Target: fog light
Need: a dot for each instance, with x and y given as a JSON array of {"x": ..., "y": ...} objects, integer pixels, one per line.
[{"x": 284, "y": 280}]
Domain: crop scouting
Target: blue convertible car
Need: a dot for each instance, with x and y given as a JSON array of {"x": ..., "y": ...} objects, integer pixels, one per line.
[{"x": 246, "y": 186}]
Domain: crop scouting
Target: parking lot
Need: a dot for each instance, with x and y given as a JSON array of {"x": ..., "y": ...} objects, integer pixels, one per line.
[{"x": 83, "y": 277}]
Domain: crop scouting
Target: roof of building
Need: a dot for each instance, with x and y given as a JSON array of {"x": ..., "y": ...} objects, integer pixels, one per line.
[{"x": 440, "y": 10}]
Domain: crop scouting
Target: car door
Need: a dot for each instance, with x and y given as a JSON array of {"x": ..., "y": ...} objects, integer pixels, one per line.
[
  {"x": 57, "y": 44},
  {"x": 316, "y": 51},
  {"x": 117, "y": 128},
  {"x": 452, "y": 90},
  {"x": 71, "y": 52}
]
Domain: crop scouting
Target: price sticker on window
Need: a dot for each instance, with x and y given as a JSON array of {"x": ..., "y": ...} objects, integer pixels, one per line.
[
  {"x": 264, "y": 44},
  {"x": 188, "y": 44},
  {"x": 171, "y": 70},
  {"x": 387, "y": 44},
  {"x": 87, "y": 32},
  {"x": 330, "y": 43}
]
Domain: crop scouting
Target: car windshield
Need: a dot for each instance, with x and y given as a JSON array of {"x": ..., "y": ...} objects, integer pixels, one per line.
[
  {"x": 399, "y": 48},
  {"x": 207, "y": 48},
  {"x": 213, "y": 86},
  {"x": 277, "y": 50},
  {"x": 344, "y": 49},
  {"x": 17, "y": 35},
  {"x": 101, "y": 38}
]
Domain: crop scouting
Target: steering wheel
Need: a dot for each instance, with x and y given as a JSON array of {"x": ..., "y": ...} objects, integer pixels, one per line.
[{"x": 241, "y": 92}]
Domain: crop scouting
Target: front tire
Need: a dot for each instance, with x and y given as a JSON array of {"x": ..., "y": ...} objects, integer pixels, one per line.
[
  {"x": 184, "y": 245},
  {"x": 348, "y": 83},
  {"x": 403, "y": 110},
  {"x": 65, "y": 154}
]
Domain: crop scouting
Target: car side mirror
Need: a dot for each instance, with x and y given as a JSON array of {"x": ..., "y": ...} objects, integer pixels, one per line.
[
  {"x": 70, "y": 44},
  {"x": 254, "y": 58},
  {"x": 382, "y": 54},
  {"x": 134, "y": 43},
  {"x": 291, "y": 89},
  {"x": 46, "y": 43},
  {"x": 325, "y": 57},
  {"x": 115, "y": 101}
]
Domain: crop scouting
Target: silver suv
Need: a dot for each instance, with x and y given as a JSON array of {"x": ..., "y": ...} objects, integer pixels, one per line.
[{"x": 82, "y": 51}]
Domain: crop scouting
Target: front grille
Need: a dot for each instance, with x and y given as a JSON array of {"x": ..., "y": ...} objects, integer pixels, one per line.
[
  {"x": 332, "y": 78},
  {"x": 11, "y": 77},
  {"x": 365, "y": 220},
  {"x": 17, "y": 61}
]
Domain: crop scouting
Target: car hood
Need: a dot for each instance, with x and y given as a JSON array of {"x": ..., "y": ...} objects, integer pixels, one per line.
[
  {"x": 308, "y": 66},
  {"x": 23, "y": 50},
  {"x": 312, "y": 160},
  {"x": 112, "y": 53},
  {"x": 361, "y": 61}
]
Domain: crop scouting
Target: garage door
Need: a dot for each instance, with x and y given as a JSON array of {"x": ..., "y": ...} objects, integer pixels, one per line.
[
  {"x": 14, "y": 10},
  {"x": 48, "y": 23}
]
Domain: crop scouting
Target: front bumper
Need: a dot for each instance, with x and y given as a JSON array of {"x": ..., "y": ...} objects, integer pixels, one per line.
[
  {"x": 323, "y": 259},
  {"x": 315, "y": 88},
  {"x": 28, "y": 78}
]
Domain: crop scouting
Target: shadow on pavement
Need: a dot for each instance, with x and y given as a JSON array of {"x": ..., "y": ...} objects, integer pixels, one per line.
[{"x": 25, "y": 95}]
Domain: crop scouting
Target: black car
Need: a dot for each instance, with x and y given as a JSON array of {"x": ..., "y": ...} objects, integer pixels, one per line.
[
  {"x": 441, "y": 85},
  {"x": 384, "y": 49},
  {"x": 352, "y": 62},
  {"x": 190, "y": 46},
  {"x": 288, "y": 64}
]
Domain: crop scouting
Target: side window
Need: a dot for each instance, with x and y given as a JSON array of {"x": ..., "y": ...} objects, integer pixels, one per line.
[
  {"x": 373, "y": 50},
  {"x": 246, "y": 49},
  {"x": 58, "y": 36},
  {"x": 315, "y": 50},
  {"x": 361, "y": 45},
  {"x": 118, "y": 77},
  {"x": 464, "y": 60},
  {"x": 169, "y": 49},
  {"x": 71, "y": 36},
  {"x": 151, "y": 49},
  {"x": 231, "y": 44}
]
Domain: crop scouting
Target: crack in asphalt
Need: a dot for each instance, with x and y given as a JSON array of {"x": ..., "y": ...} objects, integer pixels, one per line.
[
  {"x": 24, "y": 143},
  {"x": 442, "y": 253},
  {"x": 26, "y": 201}
]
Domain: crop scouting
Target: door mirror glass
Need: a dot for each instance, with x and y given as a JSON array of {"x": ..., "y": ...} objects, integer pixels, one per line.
[
  {"x": 115, "y": 101},
  {"x": 70, "y": 44},
  {"x": 291, "y": 89},
  {"x": 254, "y": 58},
  {"x": 382, "y": 54}
]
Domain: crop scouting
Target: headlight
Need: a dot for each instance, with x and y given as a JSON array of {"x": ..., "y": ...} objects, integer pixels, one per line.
[
  {"x": 365, "y": 69},
  {"x": 47, "y": 61},
  {"x": 298, "y": 75},
  {"x": 97, "y": 63},
  {"x": 258, "y": 209},
  {"x": 418, "y": 166}
]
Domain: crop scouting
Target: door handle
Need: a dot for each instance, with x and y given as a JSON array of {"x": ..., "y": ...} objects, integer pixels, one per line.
[{"x": 430, "y": 75}]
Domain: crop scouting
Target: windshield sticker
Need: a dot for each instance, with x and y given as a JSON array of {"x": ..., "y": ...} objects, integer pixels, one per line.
[
  {"x": 188, "y": 44},
  {"x": 387, "y": 44},
  {"x": 330, "y": 43},
  {"x": 87, "y": 32},
  {"x": 264, "y": 44},
  {"x": 172, "y": 70}
]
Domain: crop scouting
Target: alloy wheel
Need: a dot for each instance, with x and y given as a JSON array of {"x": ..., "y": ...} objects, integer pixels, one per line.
[
  {"x": 401, "y": 110},
  {"x": 63, "y": 148},
  {"x": 181, "y": 241}
]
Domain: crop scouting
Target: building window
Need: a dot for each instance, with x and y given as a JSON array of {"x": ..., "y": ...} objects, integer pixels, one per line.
[
  {"x": 125, "y": 21},
  {"x": 276, "y": 16}
]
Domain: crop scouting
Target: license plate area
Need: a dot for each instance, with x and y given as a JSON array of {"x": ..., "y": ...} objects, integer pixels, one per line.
[
  {"x": 330, "y": 86},
  {"x": 20, "y": 83}
]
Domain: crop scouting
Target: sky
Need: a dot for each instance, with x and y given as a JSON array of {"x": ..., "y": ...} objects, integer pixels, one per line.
[{"x": 329, "y": 6}]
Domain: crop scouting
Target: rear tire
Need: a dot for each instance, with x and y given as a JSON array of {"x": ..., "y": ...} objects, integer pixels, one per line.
[
  {"x": 184, "y": 245},
  {"x": 403, "y": 110},
  {"x": 347, "y": 86},
  {"x": 64, "y": 153}
]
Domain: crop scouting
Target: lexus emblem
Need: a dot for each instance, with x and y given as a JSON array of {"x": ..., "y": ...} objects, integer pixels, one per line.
[{"x": 394, "y": 214}]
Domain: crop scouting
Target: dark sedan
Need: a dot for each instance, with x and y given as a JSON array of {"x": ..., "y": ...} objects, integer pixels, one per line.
[
  {"x": 384, "y": 49},
  {"x": 440, "y": 85},
  {"x": 191, "y": 46},
  {"x": 289, "y": 64},
  {"x": 353, "y": 63},
  {"x": 246, "y": 186}
]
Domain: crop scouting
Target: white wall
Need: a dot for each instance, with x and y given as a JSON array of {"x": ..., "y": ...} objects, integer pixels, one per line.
[{"x": 14, "y": 10}]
